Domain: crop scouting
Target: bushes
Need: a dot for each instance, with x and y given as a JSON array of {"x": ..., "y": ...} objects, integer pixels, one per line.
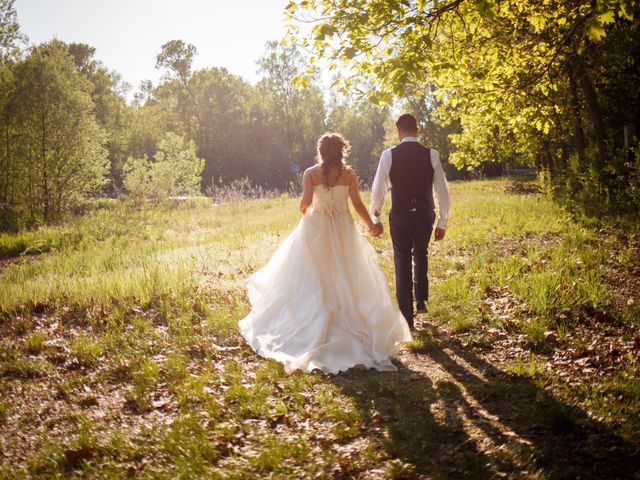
[
  {"x": 175, "y": 171},
  {"x": 613, "y": 192},
  {"x": 13, "y": 220}
]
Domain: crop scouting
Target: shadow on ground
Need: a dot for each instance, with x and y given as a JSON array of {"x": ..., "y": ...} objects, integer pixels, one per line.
[{"x": 448, "y": 413}]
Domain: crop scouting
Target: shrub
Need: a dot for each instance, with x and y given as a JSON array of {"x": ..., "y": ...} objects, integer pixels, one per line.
[{"x": 174, "y": 171}]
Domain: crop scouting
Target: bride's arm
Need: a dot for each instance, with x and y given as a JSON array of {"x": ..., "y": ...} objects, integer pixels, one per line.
[
  {"x": 307, "y": 191},
  {"x": 358, "y": 205}
]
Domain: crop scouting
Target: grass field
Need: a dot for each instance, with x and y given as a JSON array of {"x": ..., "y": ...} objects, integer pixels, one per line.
[{"x": 120, "y": 356}]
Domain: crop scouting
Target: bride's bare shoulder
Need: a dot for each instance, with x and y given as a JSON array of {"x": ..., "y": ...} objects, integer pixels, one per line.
[
  {"x": 311, "y": 170},
  {"x": 313, "y": 173},
  {"x": 350, "y": 173}
]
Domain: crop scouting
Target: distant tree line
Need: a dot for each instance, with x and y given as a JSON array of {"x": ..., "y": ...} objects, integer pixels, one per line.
[
  {"x": 553, "y": 85},
  {"x": 68, "y": 133}
]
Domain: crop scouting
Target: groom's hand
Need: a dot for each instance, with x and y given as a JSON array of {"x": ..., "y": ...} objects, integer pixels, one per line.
[
  {"x": 376, "y": 230},
  {"x": 439, "y": 235}
]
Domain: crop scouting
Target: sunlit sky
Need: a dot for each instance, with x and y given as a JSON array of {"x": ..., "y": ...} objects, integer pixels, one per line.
[{"x": 128, "y": 34}]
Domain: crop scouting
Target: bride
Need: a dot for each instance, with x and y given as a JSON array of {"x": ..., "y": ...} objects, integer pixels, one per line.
[{"x": 322, "y": 301}]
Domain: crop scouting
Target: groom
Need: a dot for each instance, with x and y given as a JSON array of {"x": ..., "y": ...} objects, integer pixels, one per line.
[{"x": 412, "y": 172}]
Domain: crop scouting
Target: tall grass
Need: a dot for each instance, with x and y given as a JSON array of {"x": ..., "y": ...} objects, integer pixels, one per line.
[
  {"x": 137, "y": 255},
  {"x": 527, "y": 245}
]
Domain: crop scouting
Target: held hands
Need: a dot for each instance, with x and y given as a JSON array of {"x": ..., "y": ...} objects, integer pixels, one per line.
[
  {"x": 439, "y": 234},
  {"x": 376, "y": 229}
]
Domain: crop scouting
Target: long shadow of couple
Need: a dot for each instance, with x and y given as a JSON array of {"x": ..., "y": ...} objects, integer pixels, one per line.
[{"x": 449, "y": 413}]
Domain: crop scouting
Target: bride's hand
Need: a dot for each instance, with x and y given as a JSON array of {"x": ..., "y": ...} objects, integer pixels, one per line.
[{"x": 376, "y": 229}]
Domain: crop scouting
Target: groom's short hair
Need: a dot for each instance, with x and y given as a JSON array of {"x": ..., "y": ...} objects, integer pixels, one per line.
[{"x": 407, "y": 123}]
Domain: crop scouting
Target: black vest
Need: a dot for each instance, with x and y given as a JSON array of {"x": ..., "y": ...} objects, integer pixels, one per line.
[{"x": 411, "y": 177}]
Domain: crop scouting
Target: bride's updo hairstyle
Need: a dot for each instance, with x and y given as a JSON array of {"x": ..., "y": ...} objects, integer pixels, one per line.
[{"x": 333, "y": 148}]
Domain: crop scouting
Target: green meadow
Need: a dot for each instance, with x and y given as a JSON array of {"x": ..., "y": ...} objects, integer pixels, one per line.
[{"x": 120, "y": 355}]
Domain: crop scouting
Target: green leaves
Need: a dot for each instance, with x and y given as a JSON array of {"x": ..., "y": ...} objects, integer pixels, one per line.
[
  {"x": 543, "y": 126},
  {"x": 398, "y": 76},
  {"x": 606, "y": 17},
  {"x": 291, "y": 8},
  {"x": 10, "y": 35},
  {"x": 501, "y": 66},
  {"x": 595, "y": 30},
  {"x": 177, "y": 57},
  {"x": 486, "y": 8},
  {"x": 57, "y": 156},
  {"x": 175, "y": 171},
  {"x": 324, "y": 30},
  {"x": 348, "y": 53},
  {"x": 538, "y": 22}
]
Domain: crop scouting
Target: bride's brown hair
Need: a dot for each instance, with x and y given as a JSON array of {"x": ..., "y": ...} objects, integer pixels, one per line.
[{"x": 333, "y": 148}]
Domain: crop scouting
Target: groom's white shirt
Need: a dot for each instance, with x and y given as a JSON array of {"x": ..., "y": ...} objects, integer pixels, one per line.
[{"x": 382, "y": 184}]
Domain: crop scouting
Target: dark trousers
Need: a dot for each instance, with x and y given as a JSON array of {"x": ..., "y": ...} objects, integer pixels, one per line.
[{"x": 410, "y": 234}]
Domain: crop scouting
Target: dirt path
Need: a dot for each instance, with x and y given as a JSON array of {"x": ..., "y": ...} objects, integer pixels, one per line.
[
  {"x": 454, "y": 413},
  {"x": 7, "y": 262}
]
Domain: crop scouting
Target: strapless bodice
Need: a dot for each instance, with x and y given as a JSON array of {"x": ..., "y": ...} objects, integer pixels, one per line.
[{"x": 331, "y": 200}]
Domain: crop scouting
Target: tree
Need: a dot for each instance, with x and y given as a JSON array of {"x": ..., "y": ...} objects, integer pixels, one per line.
[
  {"x": 10, "y": 36},
  {"x": 260, "y": 132},
  {"x": 147, "y": 125},
  {"x": 175, "y": 170},
  {"x": 295, "y": 112},
  {"x": 56, "y": 146},
  {"x": 177, "y": 57},
  {"x": 363, "y": 125},
  {"x": 110, "y": 108},
  {"x": 530, "y": 81},
  {"x": 8, "y": 164},
  {"x": 208, "y": 106}
]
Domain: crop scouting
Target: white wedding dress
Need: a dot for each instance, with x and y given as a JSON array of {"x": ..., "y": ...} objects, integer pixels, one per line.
[{"x": 322, "y": 301}]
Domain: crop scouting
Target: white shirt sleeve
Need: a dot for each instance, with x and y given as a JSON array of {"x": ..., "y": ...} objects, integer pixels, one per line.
[
  {"x": 441, "y": 190},
  {"x": 381, "y": 183}
]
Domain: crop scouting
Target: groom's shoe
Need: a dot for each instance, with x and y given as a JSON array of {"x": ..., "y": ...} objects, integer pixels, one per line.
[{"x": 421, "y": 307}]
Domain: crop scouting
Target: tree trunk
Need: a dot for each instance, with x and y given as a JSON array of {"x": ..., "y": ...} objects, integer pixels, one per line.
[
  {"x": 547, "y": 158},
  {"x": 578, "y": 131},
  {"x": 564, "y": 156},
  {"x": 45, "y": 179},
  {"x": 4, "y": 195},
  {"x": 595, "y": 114}
]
